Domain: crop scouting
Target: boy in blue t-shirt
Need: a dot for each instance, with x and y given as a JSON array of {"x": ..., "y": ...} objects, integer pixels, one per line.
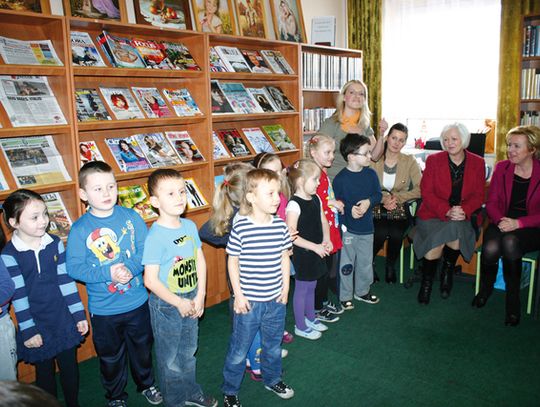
[
  {"x": 357, "y": 186},
  {"x": 175, "y": 273},
  {"x": 104, "y": 250}
]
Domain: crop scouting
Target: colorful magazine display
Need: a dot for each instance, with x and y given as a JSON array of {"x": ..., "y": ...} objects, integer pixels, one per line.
[
  {"x": 36, "y": 52},
  {"x": 234, "y": 142},
  {"x": 59, "y": 220},
  {"x": 277, "y": 61},
  {"x": 219, "y": 149},
  {"x": 279, "y": 136},
  {"x": 216, "y": 64},
  {"x": 239, "y": 98},
  {"x": 280, "y": 100},
  {"x": 179, "y": 56},
  {"x": 152, "y": 54},
  {"x": 258, "y": 140},
  {"x": 255, "y": 61},
  {"x": 195, "y": 198},
  {"x": 136, "y": 197},
  {"x": 152, "y": 103},
  {"x": 157, "y": 150},
  {"x": 89, "y": 106},
  {"x": 182, "y": 102},
  {"x": 185, "y": 146},
  {"x": 232, "y": 58},
  {"x": 83, "y": 50},
  {"x": 122, "y": 104},
  {"x": 3, "y": 183},
  {"x": 127, "y": 153},
  {"x": 220, "y": 104},
  {"x": 264, "y": 100},
  {"x": 88, "y": 151},
  {"x": 120, "y": 52}
]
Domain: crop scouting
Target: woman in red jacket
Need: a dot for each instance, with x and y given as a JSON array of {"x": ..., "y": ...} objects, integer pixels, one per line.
[
  {"x": 513, "y": 207},
  {"x": 452, "y": 189}
]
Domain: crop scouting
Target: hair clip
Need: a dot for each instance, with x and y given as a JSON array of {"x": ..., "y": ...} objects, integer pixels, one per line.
[
  {"x": 226, "y": 183},
  {"x": 313, "y": 140},
  {"x": 296, "y": 164}
]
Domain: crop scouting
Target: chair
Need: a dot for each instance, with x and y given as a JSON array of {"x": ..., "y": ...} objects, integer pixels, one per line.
[
  {"x": 477, "y": 144},
  {"x": 411, "y": 206}
]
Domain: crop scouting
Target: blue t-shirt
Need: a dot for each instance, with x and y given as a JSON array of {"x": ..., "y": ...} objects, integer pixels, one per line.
[{"x": 175, "y": 251}]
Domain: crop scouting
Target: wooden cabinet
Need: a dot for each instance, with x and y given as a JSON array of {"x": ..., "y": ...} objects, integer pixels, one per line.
[{"x": 529, "y": 108}]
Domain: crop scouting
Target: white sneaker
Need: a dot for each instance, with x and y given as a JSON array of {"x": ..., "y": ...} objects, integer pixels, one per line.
[
  {"x": 316, "y": 325},
  {"x": 284, "y": 353},
  {"x": 308, "y": 333}
]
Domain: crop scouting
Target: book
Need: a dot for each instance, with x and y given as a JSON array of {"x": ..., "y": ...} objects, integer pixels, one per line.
[
  {"x": 152, "y": 103},
  {"x": 179, "y": 56},
  {"x": 34, "y": 52},
  {"x": 258, "y": 140},
  {"x": 232, "y": 58},
  {"x": 121, "y": 103},
  {"x": 220, "y": 104},
  {"x": 216, "y": 64},
  {"x": 184, "y": 146},
  {"x": 88, "y": 151},
  {"x": 34, "y": 160},
  {"x": 219, "y": 149},
  {"x": 120, "y": 52},
  {"x": 83, "y": 50},
  {"x": 157, "y": 150},
  {"x": 280, "y": 100},
  {"x": 277, "y": 61},
  {"x": 182, "y": 102},
  {"x": 89, "y": 106},
  {"x": 255, "y": 61},
  {"x": 59, "y": 220},
  {"x": 234, "y": 142},
  {"x": 152, "y": 54},
  {"x": 279, "y": 137},
  {"x": 195, "y": 198},
  {"x": 137, "y": 198},
  {"x": 127, "y": 153},
  {"x": 239, "y": 98},
  {"x": 264, "y": 99}
]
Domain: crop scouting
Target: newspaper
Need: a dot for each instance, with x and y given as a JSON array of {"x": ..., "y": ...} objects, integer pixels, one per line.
[
  {"x": 29, "y": 101},
  {"x": 36, "y": 52}
]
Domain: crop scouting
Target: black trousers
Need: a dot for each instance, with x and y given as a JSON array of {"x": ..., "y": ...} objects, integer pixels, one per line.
[
  {"x": 69, "y": 376},
  {"x": 393, "y": 231},
  {"x": 324, "y": 282}
]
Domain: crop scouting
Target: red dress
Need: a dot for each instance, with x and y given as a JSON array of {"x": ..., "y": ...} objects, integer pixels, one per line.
[{"x": 324, "y": 192}]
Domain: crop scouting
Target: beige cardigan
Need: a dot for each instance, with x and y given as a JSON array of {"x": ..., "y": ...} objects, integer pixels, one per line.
[{"x": 408, "y": 175}]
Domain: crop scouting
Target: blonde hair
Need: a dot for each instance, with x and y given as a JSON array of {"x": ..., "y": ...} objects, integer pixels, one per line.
[
  {"x": 263, "y": 159},
  {"x": 532, "y": 134},
  {"x": 253, "y": 179},
  {"x": 302, "y": 169},
  {"x": 227, "y": 196},
  {"x": 365, "y": 113},
  {"x": 315, "y": 142}
]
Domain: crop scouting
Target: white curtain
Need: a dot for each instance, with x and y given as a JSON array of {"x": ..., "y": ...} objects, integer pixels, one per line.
[{"x": 440, "y": 63}]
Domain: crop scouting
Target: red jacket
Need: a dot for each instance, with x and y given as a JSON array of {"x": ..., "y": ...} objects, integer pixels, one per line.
[
  {"x": 436, "y": 186},
  {"x": 500, "y": 192}
]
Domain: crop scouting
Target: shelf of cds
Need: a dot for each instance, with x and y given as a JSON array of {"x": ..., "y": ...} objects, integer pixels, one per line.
[{"x": 530, "y": 71}]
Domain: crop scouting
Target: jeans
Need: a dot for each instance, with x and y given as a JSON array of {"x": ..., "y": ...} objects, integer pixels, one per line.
[
  {"x": 269, "y": 317},
  {"x": 175, "y": 345}
]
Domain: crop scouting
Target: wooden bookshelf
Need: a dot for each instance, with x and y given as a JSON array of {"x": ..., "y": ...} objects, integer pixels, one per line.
[{"x": 529, "y": 108}]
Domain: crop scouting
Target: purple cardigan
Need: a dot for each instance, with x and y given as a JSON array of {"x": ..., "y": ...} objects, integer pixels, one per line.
[{"x": 500, "y": 192}]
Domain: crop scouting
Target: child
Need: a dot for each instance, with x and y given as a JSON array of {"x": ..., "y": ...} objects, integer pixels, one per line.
[
  {"x": 357, "y": 186},
  {"x": 304, "y": 213},
  {"x": 321, "y": 149},
  {"x": 104, "y": 251},
  {"x": 49, "y": 311},
  {"x": 175, "y": 273},
  {"x": 259, "y": 275},
  {"x": 8, "y": 347}
]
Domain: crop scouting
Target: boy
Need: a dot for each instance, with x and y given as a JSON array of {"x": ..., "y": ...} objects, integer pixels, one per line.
[
  {"x": 175, "y": 273},
  {"x": 258, "y": 265},
  {"x": 104, "y": 250},
  {"x": 357, "y": 186}
]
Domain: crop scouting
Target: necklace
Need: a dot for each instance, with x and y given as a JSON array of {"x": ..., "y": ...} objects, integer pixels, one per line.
[{"x": 390, "y": 170}]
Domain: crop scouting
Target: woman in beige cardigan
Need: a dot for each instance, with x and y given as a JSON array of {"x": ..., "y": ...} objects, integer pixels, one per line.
[{"x": 399, "y": 175}]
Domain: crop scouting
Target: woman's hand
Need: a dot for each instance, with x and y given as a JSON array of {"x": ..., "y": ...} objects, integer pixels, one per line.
[
  {"x": 456, "y": 213},
  {"x": 508, "y": 224},
  {"x": 383, "y": 126},
  {"x": 389, "y": 201}
]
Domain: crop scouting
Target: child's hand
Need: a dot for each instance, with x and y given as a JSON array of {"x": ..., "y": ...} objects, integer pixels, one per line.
[
  {"x": 283, "y": 297},
  {"x": 198, "y": 306},
  {"x": 82, "y": 327},
  {"x": 185, "y": 307},
  {"x": 120, "y": 274},
  {"x": 293, "y": 232},
  {"x": 328, "y": 246},
  {"x": 34, "y": 342},
  {"x": 332, "y": 203},
  {"x": 320, "y": 249},
  {"x": 360, "y": 208},
  {"x": 241, "y": 305}
]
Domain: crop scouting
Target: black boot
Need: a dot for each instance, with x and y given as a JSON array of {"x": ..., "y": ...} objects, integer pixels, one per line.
[
  {"x": 428, "y": 272},
  {"x": 487, "y": 280},
  {"x": 450, "y": 257},
  {"x": 390, "y": 275},
  {"x": 512, "y": 280}
]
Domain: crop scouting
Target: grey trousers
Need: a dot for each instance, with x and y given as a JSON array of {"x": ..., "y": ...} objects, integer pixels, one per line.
[
  {"x": 355, "y": 266},
  {"x": 8, "y": 349}
]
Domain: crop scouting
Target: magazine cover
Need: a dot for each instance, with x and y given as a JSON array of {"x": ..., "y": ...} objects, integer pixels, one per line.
[
  {"x": 179, "y": 56},
  {"x": 276, "y": 61},
  {"x": 234, "y": 142},
  {"x": 258, "y": 140},
  {"x": 239, "y": 98},
  {"x": 152, "y": 103},
  {"x": 157, "y": 150},
  {"x": 152, "y": 54},
  {"x": 182, "y": 102},
  {"x": 59, "y": 220},
  {"x": 219, "y": 149},
  {"x": 3, "y": 183},
  {"x": 34, "y": 160},
  {"x": 184, "y": 146},
  {"x": 83, "y": 51},
  {"x": 36, "y": 52},
  {"x": 88, "y": 151},
  {"x": 255, "y": 61},
  {"x": 89, "y": 106},
  {"x": 216, "y": 64},
  {"x": 232, "y": 58},
  {"x": 220, "y": 104},
  {"x": 279, "y": 98},
  {"x": 195, "y": 198},
  {"x": 122, "y": 104},
  {"x": 279, "y": 136},
  {"x": 120, "y": 51},
  {"x": 136, "y": 197},
  {"x": 127, "y": 153},
  {"x": 264, "y": 100}
]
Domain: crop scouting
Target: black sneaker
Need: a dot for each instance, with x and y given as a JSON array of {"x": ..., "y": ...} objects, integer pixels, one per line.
[
  {"x": 282, "y": 390},
  {"x": 334, "y": 308},
  {"x": 369, "y": 298},
  {"x": 231, "y": 401},
  {"x": 326, "y": 316},
  {"x": 117, "y": 403},
  {"x": 152, "y": 395},
  {"x": 202, "y": 401},
  {"x": 347, "y": 305}
]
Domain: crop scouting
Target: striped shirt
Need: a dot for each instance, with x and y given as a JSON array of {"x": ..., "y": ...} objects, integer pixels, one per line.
[{"x": 260, "y": 249}]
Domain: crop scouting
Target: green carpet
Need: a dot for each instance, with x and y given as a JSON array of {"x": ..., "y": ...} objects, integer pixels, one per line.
[{"x": 395, "y": 353}]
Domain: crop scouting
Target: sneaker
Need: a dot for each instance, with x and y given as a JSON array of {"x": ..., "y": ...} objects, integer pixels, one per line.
[
  {"x": 231, "y": 401},
  {"x": 287, "y": 337},
  {"x": 255, "y": 375},
  {"x": 308, "y": 333},
  {"x": 282, "y": 390},
  {"x": 336, "y": 309},
  {"x": 316, "y": 325},
  {"x": 202, "y": 400},
  {"x": 284, "y": 353},
  {"x": 369, "y": 298},
  {"x": 117, "y": 403},
  {"x": 347, "y": 305},
  {"x": 152, "y": 395},
  {"x": 326, "y": 316}
]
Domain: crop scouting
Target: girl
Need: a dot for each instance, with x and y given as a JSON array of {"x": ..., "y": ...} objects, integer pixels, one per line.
[
  {"x": 321, "y": 149},
  {"x": 272, "y": 162},
  {"x": 47, "y": 305},
  {"x": 312, "y": 245}
]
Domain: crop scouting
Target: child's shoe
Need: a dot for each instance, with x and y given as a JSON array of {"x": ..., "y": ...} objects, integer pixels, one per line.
[
  {"x": 308, "y": 333},
  {"x": 255, "y": 375},
  {"x": 316, "y": 325},
  {"x": 336, "y": 309},
  {"x": 326, "y": 316},
  {"x": 282, "y": 390},
  {"x": 287, "y": 337},
  {"x": 153, "y": 395},
  {"x": 231, "y": 401},
  {"x": 284, "y": 353},
  {"x": 117, "y": 403},
  {"x": 369, "y": 298},
  {"x": 347, "y": 305},
  {"x": 202, "y": 401}
]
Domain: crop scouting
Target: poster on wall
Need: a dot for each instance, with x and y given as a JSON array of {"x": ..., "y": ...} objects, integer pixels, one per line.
[
  {"x": 163, "y": 13},
  {"x": 214, "y": 16},
  {"x": 24, "y": 5},
  {"x": 251, "y": 18},
  {"x": 288, "y": 20},
  {"x": 95, "y": 9}
]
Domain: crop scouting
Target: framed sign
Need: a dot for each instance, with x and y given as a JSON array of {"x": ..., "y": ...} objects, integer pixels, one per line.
[
  {"x": 288, "y": 20},
  {"x": 96, "y": 9},
  {"x": 214, "y": 16},
  {"x": 251, "y": 18},
  {"x": 163, "y": 13}
]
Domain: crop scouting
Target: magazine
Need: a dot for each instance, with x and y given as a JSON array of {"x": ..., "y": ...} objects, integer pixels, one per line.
[
  {"x": 121, "y": 103},
  {"x": 59, "y": 220},
  {"x": 3, "y": 182},
  {"x": 152, "y": 54},
  {"x": 182, "y": 102},
  {"x": 30, "y": 101},
  {"x": 185, "y": 146},
  {"x": 264, "y": 100},
  {"x": 232, "y": 58},
  {"x": 258, "y": 140},
  {"x": 220, "y": 104},
  {"x": 157, "y": 150},
  {"x": 216, "y": 64},
  {"x": 127, "y": 153},
  {"x": 195, "y": 198},
  {"x": 234, "y": 142},
  {"x": 120, "y": 52},
  {"x": 279, "y": 98},
  {"x": 179, "y": 56},
  {"x": 83, "y": 50},
  {"x": 279, "y": 136},
  {"x": 219, "y": 149},
  {"x": 137, "y": 198},
  {"x": 90, "y": 106},
  {"x": 239, "y": 98},
  {"x": 152, "y": 103},
  {"x": 88, "y": 151},
  {"x": 34, "y": 160},
  {"x": 255, "y": 61},
  {"x": 277, "y": 62},
  {"x": 36, "y": 52}
]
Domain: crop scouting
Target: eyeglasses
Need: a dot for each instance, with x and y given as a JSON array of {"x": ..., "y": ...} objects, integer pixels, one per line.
[{"x": 363, "y": 154}]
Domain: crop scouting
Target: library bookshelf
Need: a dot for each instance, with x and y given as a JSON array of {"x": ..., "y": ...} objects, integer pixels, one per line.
[{"x": 529, "y": 107}]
